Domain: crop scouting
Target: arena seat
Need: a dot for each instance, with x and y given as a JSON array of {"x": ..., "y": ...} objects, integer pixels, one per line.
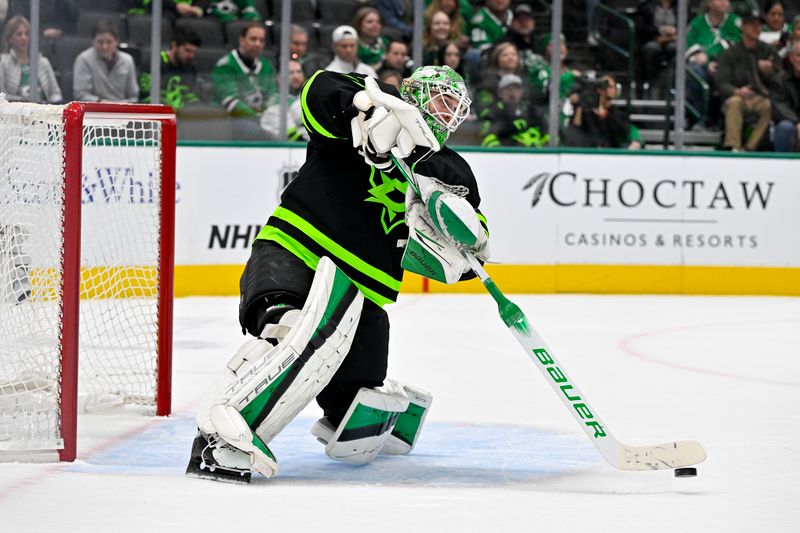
[
  {"x": 67, "y": 49},
  {"x": 302, "y": 11},
  {"x": 139, "y": 29},
  {"x": 109, "y": 6},
  {"x": 338, "y": 12},
  {"x": 207, "y": 56},
  {"x": 65, "y": 82},
  {"x": 88, "y": 19},
  {"x": 326, "y": 35},
  {"x": 208, "y": 28},
  {"x": 233, "y": 29}
]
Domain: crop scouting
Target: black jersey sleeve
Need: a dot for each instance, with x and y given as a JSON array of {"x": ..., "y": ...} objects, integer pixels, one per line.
[{"x": 327, "y": 104}]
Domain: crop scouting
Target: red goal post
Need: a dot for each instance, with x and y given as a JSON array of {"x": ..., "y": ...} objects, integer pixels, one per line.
[{"x": 87, "y": 192}]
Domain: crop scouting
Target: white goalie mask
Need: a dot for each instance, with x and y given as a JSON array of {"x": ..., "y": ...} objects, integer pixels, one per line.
[{"x": 441, "y": 95}]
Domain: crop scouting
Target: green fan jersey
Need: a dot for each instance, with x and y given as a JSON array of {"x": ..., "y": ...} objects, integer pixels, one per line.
[
  {"x": 487, "y": 29},
  {"x": 229, "y": 10},
  {"x": 343, "y": 208},
  {"x": 243, "y": 91},
  {"x": 703, "y": 37},
  {"x": 372, "y": 54}
]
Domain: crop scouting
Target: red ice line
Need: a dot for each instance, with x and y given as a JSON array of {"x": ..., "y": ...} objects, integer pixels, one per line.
[
  {"x": 23, "y": 483},
  {"x": 627, "y": 342}
]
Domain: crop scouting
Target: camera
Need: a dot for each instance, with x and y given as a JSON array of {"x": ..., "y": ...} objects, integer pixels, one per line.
[{"x": 586, "y": 87}]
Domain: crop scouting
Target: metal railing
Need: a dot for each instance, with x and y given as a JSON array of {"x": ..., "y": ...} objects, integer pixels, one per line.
[{"x": 603, "y": 13}]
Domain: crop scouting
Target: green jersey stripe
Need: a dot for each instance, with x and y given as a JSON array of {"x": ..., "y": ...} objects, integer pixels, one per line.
[
  {"x": 308, "y": 119},
  {"x": 271, "y": 233},
  {"x": 328, "y": 244}
]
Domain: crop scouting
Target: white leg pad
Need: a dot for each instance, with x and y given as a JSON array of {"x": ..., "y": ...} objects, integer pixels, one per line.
[
  {"x": 365, "y": 427},
  {"x": 264, "y": 387},
  {"x": 405, "y": 433},
  {"x": 233, "y": 429}
]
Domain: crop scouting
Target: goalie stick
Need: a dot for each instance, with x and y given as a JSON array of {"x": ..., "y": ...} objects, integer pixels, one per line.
[{"x": 669, "y": 455}]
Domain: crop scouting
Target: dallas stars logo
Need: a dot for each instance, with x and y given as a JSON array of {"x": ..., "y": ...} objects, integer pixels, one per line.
[{"x": 381, "y": 193}]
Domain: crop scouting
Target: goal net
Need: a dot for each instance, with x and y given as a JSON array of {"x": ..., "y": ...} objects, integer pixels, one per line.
[{"x": 86, "y": 237}]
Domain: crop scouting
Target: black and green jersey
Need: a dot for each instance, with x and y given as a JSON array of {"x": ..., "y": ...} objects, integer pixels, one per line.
[
  {"x": 179, "y": 83},
  {"x": 339, "y": 206},
  {"x": 520, "y": 124}
]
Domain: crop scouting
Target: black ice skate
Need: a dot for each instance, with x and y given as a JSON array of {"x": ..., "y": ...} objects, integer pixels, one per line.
[{"x": 212, "y": 458}]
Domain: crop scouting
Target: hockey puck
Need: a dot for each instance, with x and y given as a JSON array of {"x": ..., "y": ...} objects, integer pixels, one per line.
[{"x": 686, "y": 472}]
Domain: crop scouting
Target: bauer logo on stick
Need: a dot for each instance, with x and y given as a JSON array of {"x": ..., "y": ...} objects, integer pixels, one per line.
[{"x": 558, "y": 376}]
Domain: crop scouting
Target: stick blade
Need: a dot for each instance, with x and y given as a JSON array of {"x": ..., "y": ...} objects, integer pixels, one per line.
[{"x": 665, "y": 456}]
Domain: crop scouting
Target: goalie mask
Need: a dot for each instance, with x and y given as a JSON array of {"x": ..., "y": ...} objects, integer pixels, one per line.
[{"x": 441, "y": 94}]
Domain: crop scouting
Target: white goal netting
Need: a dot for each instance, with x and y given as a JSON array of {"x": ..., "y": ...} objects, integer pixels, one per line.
[{"x": 119, "y": 269}]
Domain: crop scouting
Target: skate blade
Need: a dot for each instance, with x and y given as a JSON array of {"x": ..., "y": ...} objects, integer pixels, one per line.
[{"x": 221, "y": 475}]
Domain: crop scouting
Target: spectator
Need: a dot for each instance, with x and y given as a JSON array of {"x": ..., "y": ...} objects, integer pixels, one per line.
[
  {"x": 391, "y": 77},
  {"x": 298, "y": 43},
  {"x": 397, "y": 59},
  {"x": 521, "y": 34},
  {"x": 450, "y": 55},
  {"x": 745, "y": 72},
  {"x": 539, "y": 74},
  {"x": 775, "y": 30},
  {"x": 56, "y": 17},
  {"x": 458, "y": 24},
  {"x": 178, "y": 8},
  {"x": 102, "y": 73},
  {"x": 659, "y": 32},
  {"x": 794, "y": 37},
  {"x": 512, "y": 120},
  {"x": 345, "y": 43},
  {"x": 708, "y": 36},
  {"x": 244, "y": 81},
  {"x": 270, "y": 120},
  {"x": 785, "y": 96},
  {"x": 437, "y": 33},
  {"x": 179, "y": 78},
  {"x": 229, "y": 10},
  {"x": 15, "y": 64},
  {"x": 711, "y": 33},
  {"x": 503, "y": 60},
  {"x": 396, "y": 14},
  {"x": 298, "y": 51},
  {"x": 371, "y": 44},
  {"x": 490, "y": 23},
  {"x": 597, "y": 123}
]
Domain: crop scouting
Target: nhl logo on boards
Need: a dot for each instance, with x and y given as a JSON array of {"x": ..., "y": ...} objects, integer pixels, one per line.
[{"x": 286, "y": 174}]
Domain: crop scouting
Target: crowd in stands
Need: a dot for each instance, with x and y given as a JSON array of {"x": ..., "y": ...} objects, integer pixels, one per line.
[{"x": 221, "y": 56}]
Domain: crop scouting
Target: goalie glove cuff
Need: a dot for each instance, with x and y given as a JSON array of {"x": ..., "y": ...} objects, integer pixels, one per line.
[{"x": 428, "y": 253}]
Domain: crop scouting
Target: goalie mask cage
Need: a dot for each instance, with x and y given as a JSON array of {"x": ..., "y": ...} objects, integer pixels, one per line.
[{"x": 87, "y": 202}]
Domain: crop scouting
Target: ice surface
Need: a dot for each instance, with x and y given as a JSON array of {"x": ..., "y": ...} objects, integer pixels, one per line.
[{"x": 499, "y": 451}]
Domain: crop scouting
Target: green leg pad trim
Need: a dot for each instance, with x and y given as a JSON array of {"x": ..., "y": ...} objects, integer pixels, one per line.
[
  {"x": 258, "y": 443},
  {"x": 407, "y": 426}
]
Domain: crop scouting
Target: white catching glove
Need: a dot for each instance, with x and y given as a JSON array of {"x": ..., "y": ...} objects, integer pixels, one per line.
[
  {"x": 433, "y": 252},
  {"x": 386, "y": 124},
  {"x": 428, "y": 253},
  {"x": 453, "y": 216}
]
